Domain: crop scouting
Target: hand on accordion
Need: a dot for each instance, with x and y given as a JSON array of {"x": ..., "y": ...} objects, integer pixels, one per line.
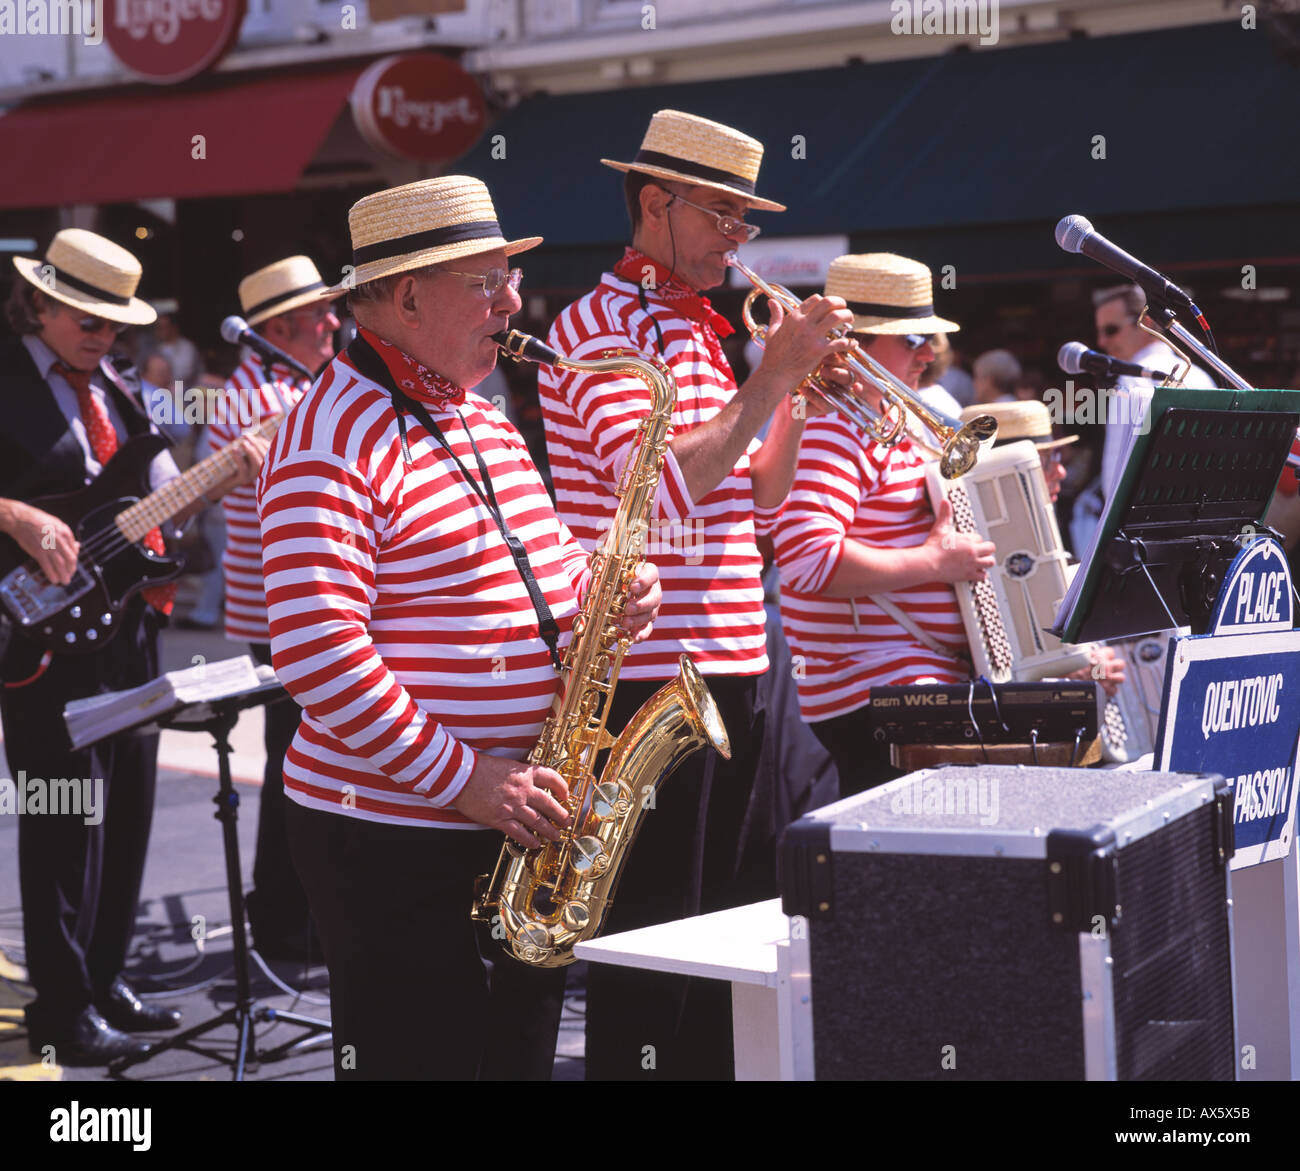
[
  {"x": 1106, "y": 667},
  {"x": 958, "y": 556}
]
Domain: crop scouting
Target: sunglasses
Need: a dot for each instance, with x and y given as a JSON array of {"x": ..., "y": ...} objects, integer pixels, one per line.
[
  {"x": 492, "y": 280},
  {"x": 1112, "y": 329},
  {"x": 914, "y": 341},
  {"x": 96, "y": 325}
]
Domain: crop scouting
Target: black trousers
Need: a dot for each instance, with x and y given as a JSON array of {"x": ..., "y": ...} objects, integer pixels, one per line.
[
  {"x": 686, "y": 861},
  {"x": 81, "y": 883},
  {"x": 861, "y": 762},
  {"x": 417, "y": 990},
  {"x": 277, "y": 904}
]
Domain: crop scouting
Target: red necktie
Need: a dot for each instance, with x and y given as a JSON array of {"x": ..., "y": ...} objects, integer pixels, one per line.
[{"x": 103, "y": 444}]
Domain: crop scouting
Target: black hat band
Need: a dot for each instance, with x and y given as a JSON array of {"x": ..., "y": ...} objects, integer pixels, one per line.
[
  {"x": 86, "y": 287},
  {"x": 656, "y": 158},
  {"x": 419, "y": 241},
  {"x": 252, "y": 310}
]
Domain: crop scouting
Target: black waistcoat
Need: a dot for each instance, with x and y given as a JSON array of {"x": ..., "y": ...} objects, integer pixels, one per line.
[{"x": 39, "y": 454}]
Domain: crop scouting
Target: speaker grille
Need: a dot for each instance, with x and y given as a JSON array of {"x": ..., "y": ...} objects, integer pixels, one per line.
[{"x": 1172, "y": 973}]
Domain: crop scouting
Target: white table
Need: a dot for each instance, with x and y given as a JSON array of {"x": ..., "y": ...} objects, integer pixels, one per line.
[{"x": 758, "y": 949}]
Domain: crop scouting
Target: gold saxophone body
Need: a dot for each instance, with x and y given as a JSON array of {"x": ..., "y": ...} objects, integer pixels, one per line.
[{"x": 548, "y": 899}]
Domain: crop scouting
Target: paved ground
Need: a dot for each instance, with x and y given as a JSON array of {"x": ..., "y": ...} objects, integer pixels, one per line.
[{"x": 185, "y": 889}]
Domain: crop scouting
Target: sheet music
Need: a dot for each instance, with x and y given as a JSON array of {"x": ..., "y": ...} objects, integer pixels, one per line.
[{"x": 97, "y": 716}]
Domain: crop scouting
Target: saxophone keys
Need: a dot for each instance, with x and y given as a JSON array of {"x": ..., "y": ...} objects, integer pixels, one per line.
[
  {"x": 610, "y": 799},
  {"x": 589, "y": 856},
  {"x": 533, "y": 944},
  {"x": 575, "y": 916}
]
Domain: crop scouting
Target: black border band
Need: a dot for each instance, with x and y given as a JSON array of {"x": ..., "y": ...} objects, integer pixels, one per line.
[
  {"x": 656, "y": 158},
  {"x": 419, "y": 241},
  {"x": 86, "y": 287},
  {"x": 253, "y": 310},
  {"x": 871, "y": 309}
]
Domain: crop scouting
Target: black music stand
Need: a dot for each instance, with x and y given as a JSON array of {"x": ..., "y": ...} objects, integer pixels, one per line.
[
  {"x": 217, "y": 717},
  {"x": 1195, "y": 484}
]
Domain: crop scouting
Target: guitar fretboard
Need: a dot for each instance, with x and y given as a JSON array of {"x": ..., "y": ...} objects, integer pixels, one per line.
[{"x": 177, "y": 494}]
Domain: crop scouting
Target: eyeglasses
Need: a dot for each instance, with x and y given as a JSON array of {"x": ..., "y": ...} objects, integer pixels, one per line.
[
  {"x": 96, "y": 325},
  {"x": 1112, "y": 329},
  {"x": 1050, "y": 458},
  {"x": 727, "y": 225},
  {"x": 914, "y": 341},
  {"x": 492, "y": 280}
]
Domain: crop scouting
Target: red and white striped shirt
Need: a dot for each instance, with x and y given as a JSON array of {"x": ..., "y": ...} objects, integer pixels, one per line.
[
  {"x": 249, "y": 399},
  {"x": 709, "y": 565},
  {"x": 847, "y": 487},
  {"x": 399, "y": 622}
]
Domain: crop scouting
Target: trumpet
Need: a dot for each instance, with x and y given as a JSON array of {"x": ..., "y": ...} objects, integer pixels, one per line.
[{"x": 959, "y": 442}]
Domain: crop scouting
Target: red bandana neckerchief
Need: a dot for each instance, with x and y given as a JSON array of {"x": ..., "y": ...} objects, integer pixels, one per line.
[
  {"x": 690, "y": 304},
  {"x": 416, "y": 380}
]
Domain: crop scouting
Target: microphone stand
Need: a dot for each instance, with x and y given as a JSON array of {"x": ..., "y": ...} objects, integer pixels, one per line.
[
  {"x": 218, "y": 717},
  {"x": 1167, "y": 322}
]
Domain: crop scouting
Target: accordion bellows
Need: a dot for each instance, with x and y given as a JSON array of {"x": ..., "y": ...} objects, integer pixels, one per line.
[{"x": 1004, "y": 499}]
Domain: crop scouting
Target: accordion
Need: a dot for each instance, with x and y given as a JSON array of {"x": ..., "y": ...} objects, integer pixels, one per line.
[
  {"x": 1004, "y": 499},
  {"x": 1131, "y": 717}
]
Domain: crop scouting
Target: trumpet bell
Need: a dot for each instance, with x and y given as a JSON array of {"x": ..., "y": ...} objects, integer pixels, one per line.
[{"x": 962, "y": 449}]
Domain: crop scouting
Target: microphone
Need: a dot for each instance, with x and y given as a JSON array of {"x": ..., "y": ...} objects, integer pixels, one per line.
[
  {"x": 1076, "y": 234},
  {"x": 1076, "y": 358},
  {"x": 235, "y": 330}
]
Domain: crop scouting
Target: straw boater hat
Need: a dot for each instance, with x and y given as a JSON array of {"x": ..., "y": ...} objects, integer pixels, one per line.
[
  {"x": 1018, "y": 421},
  {"x": 423, "y": 223},
  {"x": 279, "y": 287},
  {"x": 694, "y": 150},
  {"x": 886, "y": 293},
  {"x": 89, "y": 273}
]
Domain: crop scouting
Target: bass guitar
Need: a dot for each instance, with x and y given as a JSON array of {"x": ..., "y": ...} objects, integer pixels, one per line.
[{"x": 110, "y": 517}]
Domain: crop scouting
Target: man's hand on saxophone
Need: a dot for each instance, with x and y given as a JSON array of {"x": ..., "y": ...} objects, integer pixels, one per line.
[
  {"x": 642, "y": 603},
  {"x": 524, "y": 801}
]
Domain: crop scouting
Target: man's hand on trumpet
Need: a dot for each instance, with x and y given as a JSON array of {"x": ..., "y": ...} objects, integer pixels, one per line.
[{"x": 798, "y": 340}]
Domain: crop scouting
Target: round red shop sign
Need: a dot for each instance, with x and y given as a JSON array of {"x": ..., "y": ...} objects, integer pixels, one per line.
[
  {"x": 170, "y": 40},
  {"x": 419, "y": 106}
]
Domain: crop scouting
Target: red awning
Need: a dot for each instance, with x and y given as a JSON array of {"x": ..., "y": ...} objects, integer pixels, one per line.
[{"x": 258, "y": 136}]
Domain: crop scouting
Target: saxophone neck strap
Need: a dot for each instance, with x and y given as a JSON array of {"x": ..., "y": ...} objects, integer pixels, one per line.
[{"x": 372, "y": 366}]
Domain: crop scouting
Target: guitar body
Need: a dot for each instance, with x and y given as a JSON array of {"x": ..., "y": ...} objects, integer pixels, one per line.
[{"x": 79, "y": 618}]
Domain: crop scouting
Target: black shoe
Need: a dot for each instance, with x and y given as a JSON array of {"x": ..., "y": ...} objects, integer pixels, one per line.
[
  {"x": 124, "y": 1010},
  {"x": 90, "y": 1041}
]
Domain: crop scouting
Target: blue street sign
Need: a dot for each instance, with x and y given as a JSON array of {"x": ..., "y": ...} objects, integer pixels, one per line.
[{"x": 1233, "y": 702}]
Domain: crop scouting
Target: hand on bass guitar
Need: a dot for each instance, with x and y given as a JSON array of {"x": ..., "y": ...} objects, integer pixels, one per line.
[{"x": 43, "y": 537}]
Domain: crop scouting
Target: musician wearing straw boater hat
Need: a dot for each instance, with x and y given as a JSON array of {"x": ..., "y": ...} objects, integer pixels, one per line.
[
  {"x": 867, "y": 568},
  {"x": 282, "y": 302},
  {"x": 67, "y": 407},
  {"x": 688, "y": 192},
  {"x": 408, "y": 632},
  {"x": 1032, "y": 421}
]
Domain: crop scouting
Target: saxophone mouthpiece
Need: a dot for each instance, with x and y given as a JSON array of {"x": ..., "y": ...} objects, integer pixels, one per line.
[{"x": 523, "y": 345}]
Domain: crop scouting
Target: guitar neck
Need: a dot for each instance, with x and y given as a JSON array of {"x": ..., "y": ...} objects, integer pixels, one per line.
[{"x": 178, "y": 494}]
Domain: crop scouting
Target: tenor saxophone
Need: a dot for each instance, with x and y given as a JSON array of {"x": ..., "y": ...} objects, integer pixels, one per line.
[{"x": 543, "y": 901}]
